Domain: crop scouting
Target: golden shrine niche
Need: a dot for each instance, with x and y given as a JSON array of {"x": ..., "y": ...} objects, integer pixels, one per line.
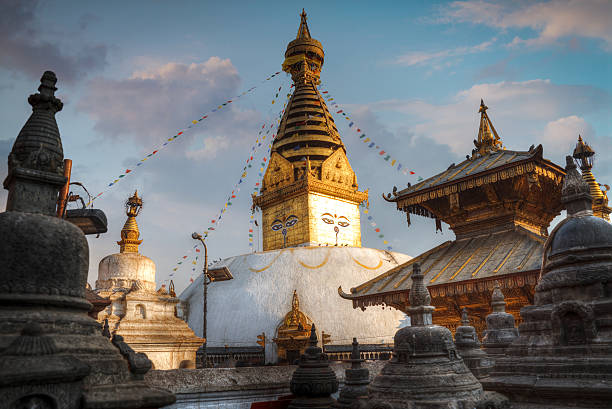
[
  {"x": 293, "y": 333},
  {"x": 308, "y": 174}
]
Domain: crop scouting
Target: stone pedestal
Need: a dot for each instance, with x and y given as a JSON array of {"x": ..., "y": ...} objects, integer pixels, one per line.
[{"x": 563, "y": 355}]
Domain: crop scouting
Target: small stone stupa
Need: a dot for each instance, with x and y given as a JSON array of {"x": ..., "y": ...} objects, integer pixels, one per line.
[
  {"x": 313, "y": 382},
  {"x": 501, "y": 330},
  {"x": 356, "y": 381},
  {"x": 145, "y": 318},
  {"x": 426, "y": 371},
  {"x": 55, "y": 355},
  {"x": 563, "y": 355},
  {"x": 468, "y": 346}
]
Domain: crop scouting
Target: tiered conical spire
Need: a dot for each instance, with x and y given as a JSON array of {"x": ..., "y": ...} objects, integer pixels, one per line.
[
  {"x": 583, "y": 153},
  {"x": 488, "y": 141},
  {"x": 129, "y": 234},
  {"x": 307, "y": 132}
]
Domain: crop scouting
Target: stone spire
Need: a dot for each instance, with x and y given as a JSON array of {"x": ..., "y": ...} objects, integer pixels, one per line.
[
  {"x": 35, "y": 164},
  {"x": 129, "y": 234},
  {"x": 488, "y": 141},
  {"x": 313, "y": 382},
  {"x": 43, "y": 274},
  {"x": 583, "y": 154},
  {"x": 501, "y": 330},
  {"x": 420, "y": 308},
  {"x": 426, "y": 371},
  {"x": 562, "y": 357},
  {"x": 468, "y": 346},
  {"x": 355, "y": 382}
]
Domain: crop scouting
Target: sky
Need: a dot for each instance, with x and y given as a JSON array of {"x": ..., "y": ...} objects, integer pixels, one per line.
[{"x": 411, "y": 74}]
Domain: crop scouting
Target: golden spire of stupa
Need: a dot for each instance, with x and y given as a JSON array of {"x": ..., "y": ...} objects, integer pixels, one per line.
[
  {"x": 129, "y": 234},
  {"x": 583, "y": 154},
  {"x": 488, "y": 141}
]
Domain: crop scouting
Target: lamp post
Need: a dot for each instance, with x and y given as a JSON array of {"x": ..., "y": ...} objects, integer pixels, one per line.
[{"x": 206, "y": 280}]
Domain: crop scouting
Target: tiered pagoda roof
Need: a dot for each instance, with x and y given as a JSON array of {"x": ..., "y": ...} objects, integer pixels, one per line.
[
  {"x": 307, "y": 152},
  {"x": 499, "y": 204}
]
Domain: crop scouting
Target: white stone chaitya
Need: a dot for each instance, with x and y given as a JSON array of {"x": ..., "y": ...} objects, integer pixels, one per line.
[
  {"x": 144, "y": 317},
  {"x": 260, "y": 295}
]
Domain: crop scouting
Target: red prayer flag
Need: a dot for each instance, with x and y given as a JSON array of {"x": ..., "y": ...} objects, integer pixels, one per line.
[
  {"x": 191, "y": 280},
  {"x": 381, "y": 152},
  {"x": 184, "y": 256},
  {"x": 154, "y": 152},
  {"x": 205, "y": 116},
  {"x": 212, "y": 221},
  {"x": 377, "y": 230},
  {"x": 411, "y": 172},
  {"x": 358, "y": 130},
  {"x": 128, "y": 170},
  {"x": 179, "y": 133},
  {"x": 325, "y": 92},
  {"x": 197, "y": 250}
]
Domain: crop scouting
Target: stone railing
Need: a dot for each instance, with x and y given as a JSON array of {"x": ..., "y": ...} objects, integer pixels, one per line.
[{"x": 368, "y": 352}]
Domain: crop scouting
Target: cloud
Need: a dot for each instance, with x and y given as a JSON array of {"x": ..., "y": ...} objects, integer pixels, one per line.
[
  {"x": 521, "y": 113},
  {"x": 551, "y": 21},
  {"x": 212, "y": 146},
  {"x": 420, "y": 58},
  {"x": 156, "y": 102},
  {"x": 25, "y": 49},
  {"x": 563, "y": 131}
]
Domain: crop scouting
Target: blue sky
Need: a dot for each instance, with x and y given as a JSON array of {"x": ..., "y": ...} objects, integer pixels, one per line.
[{"x": 411, "y": 73}]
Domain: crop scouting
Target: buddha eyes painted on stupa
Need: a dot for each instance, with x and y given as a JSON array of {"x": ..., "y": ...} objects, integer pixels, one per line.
[
  {"x": 329, "y": 218},
  {"x": 289, "y": 222}
]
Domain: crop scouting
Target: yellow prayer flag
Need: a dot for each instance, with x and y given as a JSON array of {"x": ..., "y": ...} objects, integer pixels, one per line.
[
  {"x": 393, "y": 162},
  {"x": 193, "y": 263},
  {"x": 385, "y": 242},
  {"x": 194, "y": 122}
]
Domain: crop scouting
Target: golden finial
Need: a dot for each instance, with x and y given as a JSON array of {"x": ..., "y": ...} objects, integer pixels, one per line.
[
  {"x": 583, "y": 154},
  {"x": 488, "y": 141},
  {"x": 129, "y": 234},
  {"x": 303, "y": 32}
]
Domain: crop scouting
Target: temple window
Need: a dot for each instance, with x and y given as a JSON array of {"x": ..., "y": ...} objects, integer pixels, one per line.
[{"x": 141, "y": 312}]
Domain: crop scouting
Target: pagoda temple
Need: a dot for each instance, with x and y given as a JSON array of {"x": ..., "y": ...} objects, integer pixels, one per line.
[
  {"x": 499, "y": 204},
  {"x": 309, "y": 193},
  {"x": 311, "y": 236}
]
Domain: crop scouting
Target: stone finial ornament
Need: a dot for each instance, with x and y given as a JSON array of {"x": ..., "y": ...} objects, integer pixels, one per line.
[
  {"x": 426, "y": 371},
  {"x": 420, "y": 299},
  {"x": 468, "y": 346},
  {"x": 501, "y": 329},
  {"x": 313, "y": 382},
  {"x": 562, "y": 357},
  {"x": 356, "y": 381},
  {"x": 36, "y": 162}
]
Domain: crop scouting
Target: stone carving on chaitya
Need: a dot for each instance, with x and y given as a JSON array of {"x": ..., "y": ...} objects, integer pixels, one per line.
[
  {"x": 356, "y": 381},
  {"x": 53, "y": 354},
  {"x": 293, "y": 333},
  {"x": 562, "y": 357},
  {"x": 144, "y": 318}
]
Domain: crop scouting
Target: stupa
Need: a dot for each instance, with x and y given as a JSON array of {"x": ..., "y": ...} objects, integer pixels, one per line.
[
  {"x": 468, "y": 345},
  {"x": 311, "y": 235},
  {"x": 562, "y": 357},
  {"x": 426, "y": 371},
  {"x": 145, "y": 318},
  {"x": 584, "y": 155},
  {"x": 54, "y": 354},
  {"x": 501, "y": 329},
  {"x": 356, "y": 381}
]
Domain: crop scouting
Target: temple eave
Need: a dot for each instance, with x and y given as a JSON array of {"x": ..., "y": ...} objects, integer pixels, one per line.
[{"x": 305, "y": 186}]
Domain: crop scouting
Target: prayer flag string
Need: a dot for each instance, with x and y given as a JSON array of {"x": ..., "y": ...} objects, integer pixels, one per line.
[
  {"x": 375, "y": 226},
  {"x": 363, "y": 137},
  {"x": 171, "y": 139}
]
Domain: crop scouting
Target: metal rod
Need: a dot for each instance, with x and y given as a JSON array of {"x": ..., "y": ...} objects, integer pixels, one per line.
[
  {"x": 206, "y": 280},
  {"x": 63, "y": 195}
]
